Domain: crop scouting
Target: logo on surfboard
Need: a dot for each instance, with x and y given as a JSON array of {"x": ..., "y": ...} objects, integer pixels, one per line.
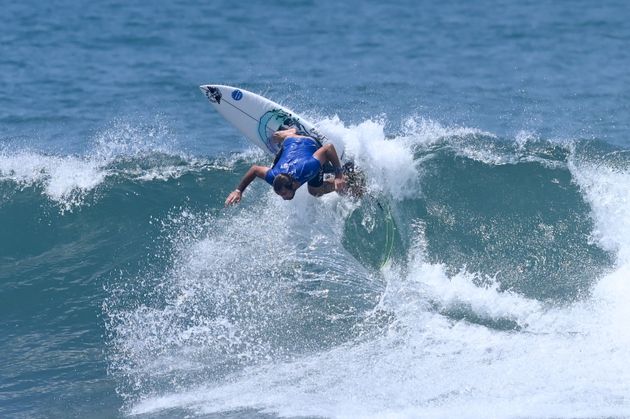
[
  {"x": 213, "y": 94},
  {"x": 237, "y": 94},
  {"x": 274, "y": 120}
]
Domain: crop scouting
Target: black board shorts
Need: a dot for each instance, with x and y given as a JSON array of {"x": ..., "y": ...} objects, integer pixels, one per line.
[{"x": 318, "y": 180}]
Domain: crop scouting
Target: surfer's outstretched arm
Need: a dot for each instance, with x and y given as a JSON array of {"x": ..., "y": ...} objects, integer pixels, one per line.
[{"x": 255, "y": 171}]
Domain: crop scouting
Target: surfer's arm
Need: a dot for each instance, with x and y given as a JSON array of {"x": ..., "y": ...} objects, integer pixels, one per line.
[
  {"x": 327, "y": 153},
  {"x": 255, "y": 171}
]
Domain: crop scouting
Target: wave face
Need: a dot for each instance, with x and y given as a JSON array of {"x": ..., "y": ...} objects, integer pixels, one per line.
[{"x": 479, "y": 273}]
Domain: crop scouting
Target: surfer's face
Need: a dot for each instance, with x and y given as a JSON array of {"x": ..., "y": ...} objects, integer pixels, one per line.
[
  {"x": 286, "y": 194},
  {"x": 284, "y": 186}
]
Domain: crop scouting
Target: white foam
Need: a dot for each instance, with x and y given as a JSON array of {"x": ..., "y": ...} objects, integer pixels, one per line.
[
  {"x": 65, "y": 180},
  {"x": 388, "y": 163},
  {"x": 68, "y": 179},
  {"x": 225, "y": 297},
  {"x": 432, "y": 369},
  {"x": 428, "y": 366},
  {"x": 607, "y": 191}
]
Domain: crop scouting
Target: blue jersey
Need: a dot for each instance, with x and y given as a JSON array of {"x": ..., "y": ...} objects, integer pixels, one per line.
[{"x": 296, "y": 160}]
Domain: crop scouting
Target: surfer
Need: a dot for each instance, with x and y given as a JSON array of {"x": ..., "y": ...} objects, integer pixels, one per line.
[{"x": 300, "y": 160}]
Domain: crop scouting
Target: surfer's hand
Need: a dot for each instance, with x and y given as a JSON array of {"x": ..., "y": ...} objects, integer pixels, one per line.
[
  {"x": 340, "y": 184},
  {"x": 233, "y": 198}
]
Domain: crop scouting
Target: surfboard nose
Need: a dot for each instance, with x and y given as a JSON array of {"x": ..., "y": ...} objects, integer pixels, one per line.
[{"x": 212, "y": 93}]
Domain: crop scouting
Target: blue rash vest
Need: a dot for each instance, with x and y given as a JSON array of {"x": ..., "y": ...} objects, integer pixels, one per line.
[{"x": 296, "y": 160}]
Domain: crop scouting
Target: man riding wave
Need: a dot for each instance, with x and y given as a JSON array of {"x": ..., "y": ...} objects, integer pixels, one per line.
[{"x": 301, "y": 160}]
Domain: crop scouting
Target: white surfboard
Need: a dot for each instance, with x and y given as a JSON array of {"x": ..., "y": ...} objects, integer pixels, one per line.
[{"x": 258, "y": 118}]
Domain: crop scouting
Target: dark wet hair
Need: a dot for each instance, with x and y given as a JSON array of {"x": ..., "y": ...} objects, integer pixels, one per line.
[{"x": 282, "y": 181}]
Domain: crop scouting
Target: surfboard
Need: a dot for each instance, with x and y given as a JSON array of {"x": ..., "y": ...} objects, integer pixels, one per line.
[{"x": 257, "y": 117}]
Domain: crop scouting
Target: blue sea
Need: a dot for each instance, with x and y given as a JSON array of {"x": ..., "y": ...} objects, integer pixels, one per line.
[{"x": 486, "y": 273}]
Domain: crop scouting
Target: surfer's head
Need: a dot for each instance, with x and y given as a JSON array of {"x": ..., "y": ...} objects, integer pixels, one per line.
[{"x": 283, "y": 186}]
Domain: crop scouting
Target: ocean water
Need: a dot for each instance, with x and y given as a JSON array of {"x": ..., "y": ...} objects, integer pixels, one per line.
[{"x": 486, "y": 274}]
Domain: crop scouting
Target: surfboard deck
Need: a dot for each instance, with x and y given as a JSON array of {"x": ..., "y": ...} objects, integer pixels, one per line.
[{"x": 257, "y": 117}]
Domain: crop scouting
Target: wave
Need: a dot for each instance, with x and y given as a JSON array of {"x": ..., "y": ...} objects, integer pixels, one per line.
[{"x": 480, "y": 271}]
